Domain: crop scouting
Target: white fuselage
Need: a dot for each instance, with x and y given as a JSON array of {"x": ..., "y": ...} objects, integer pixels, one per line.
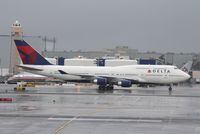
[{"x": 159, "y": 74}]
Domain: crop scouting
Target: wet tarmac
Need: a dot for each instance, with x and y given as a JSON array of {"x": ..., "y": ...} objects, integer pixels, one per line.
[{"x": 82, "y": 110}]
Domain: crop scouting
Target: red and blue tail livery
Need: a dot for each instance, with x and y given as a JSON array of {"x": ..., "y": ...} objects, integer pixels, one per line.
[{"x": 29, "y": 55}]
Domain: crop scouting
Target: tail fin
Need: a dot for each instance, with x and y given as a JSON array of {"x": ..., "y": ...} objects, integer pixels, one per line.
[
  {"x": 187, "y": 67},
  {"x": 29, "y": 55}
]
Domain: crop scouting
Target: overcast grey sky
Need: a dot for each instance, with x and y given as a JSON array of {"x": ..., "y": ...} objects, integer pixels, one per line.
[{"x": 146, "y": 25}]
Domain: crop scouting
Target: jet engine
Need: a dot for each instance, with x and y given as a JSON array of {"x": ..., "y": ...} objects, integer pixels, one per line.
[
  {"x": 100, "y": 81},
  {"x": 124, "y": 83}
]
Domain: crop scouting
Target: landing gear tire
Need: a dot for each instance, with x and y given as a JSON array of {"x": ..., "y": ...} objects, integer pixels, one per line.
[
  {"x": 109, "y": 88},
  {"x": 101, "y": 89}
]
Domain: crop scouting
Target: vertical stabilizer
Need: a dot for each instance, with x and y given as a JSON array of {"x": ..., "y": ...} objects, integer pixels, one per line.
[{"x": 29, "y": 55}]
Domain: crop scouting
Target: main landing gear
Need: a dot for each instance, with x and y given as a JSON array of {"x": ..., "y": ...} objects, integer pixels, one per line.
[{"x": 105, "y": 88}]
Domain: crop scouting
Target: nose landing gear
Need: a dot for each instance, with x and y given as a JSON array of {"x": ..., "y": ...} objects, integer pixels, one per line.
[{"x": 170, "y": 89}]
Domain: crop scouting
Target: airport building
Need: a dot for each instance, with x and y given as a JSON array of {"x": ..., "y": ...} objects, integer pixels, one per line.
[
  {"x": 123, "y": 52},
  {"x": 80, "y": 61}
]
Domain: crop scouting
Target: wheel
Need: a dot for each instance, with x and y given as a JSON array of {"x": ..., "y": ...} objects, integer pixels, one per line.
[
  {"x": 109, "y": 87},
  {"x": 101, "y": 89}
]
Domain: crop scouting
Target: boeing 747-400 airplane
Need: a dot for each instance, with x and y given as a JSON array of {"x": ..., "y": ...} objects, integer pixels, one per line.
[{"x": 105, "y": 77}]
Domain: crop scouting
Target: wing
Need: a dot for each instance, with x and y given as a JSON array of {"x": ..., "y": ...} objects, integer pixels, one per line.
[{"x": 111, "y": 79}]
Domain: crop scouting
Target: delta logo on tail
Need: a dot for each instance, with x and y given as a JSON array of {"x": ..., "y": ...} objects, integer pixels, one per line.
[{"x": 29, "y": 55}]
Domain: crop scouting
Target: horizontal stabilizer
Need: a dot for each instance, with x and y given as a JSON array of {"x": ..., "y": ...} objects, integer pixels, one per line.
[{"x": 29, "y": 68}]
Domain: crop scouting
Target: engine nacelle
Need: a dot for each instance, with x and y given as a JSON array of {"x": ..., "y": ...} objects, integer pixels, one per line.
[
  {"x": 100, "y": 81},
  {"x": 124, "y": 83}
]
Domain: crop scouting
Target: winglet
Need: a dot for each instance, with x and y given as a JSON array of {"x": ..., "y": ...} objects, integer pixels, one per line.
[{"x": 29, "y": 55}]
